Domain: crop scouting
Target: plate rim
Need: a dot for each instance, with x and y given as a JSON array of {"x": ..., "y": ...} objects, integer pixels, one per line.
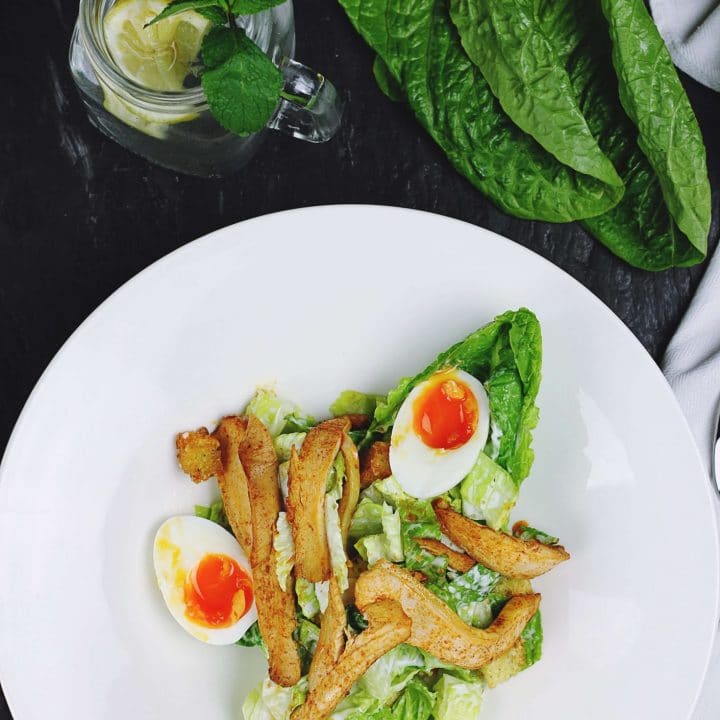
[{"x": 198, "y": 244}]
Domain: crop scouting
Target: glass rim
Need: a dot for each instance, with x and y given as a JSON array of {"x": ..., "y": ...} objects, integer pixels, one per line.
[{"x": 93, "y": 40}]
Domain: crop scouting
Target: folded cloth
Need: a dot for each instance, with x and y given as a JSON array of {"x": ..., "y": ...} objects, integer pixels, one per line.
[
  {"x": 691, "y": 29},
  {"x": 692, "y": 367}
]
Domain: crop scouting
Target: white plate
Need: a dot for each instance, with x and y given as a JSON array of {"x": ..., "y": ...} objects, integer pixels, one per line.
[{"x": 320, "y": 300}]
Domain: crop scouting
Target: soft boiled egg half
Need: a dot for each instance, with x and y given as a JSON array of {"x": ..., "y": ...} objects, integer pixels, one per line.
[
  {"x": 205, "y": 579},
  {"x": 439, "y": 431}
]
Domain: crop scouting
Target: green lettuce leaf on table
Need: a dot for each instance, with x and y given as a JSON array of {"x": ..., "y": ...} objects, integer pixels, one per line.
[
  {"x": 525, "y": 96},
  {"x": 418, "y": 44},
  {"x": 530, "y": 81}
]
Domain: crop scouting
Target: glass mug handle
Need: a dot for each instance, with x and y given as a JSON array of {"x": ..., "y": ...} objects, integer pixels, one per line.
[{"x": 310, "y": 107}]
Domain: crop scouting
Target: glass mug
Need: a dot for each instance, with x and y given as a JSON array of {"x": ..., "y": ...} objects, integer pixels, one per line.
[{"x": 176, "y": 129}]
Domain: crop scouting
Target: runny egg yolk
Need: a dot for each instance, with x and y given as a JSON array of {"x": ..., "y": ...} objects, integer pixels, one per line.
[
  {"x": 445, "y": 415},
  {"x": 218, "y": 592}
]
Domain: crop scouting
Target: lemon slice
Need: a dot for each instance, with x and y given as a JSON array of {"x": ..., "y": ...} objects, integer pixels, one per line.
[{"x": 157, "y": 57}]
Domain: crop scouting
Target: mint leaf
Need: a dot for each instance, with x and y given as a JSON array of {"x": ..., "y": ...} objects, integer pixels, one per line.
[
  {"x": 241, "y": 84},
  {"x": 249, "y": 7},
  {"x": 219, "y": 7},
  {"x": 219, "y": 45},
  {"x": 215, "y": 14}
]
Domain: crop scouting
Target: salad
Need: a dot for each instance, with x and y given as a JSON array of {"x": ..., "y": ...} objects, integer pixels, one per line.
[{"x": 370, "y": 555}]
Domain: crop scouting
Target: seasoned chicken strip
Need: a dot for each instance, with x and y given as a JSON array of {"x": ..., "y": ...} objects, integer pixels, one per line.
[
  {"x": 496, "y": 550},
  {"x": 375, "y": 464},
  {"x": 232, "y": 480},
  {"x": 307, "y": 479},
  {"x": 332, "y": 637},
  {"x": 388, "y": 626},
  {"x": 435, "y": 627},
  {"x": 456, "y": 560},
  {"x": 275, "y": 607}
]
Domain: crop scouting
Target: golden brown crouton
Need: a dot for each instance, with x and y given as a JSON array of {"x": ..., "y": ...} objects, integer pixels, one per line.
[
  {"x": 506, "y": 666},
  {"x": 198, "y": 453},
  {"x": 375, "y": 463}
]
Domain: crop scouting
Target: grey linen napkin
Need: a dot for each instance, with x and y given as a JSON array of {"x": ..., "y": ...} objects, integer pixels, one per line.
[{"x": 692, "y": 367}]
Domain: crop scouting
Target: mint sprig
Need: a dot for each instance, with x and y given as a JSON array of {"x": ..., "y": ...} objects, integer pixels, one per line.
[{"x": 241, "y": 84}]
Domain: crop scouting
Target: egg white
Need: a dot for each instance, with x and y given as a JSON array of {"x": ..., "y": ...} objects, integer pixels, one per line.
[
  {"x": 180, "y": 543},
  {"x": 425, "y": 472}
]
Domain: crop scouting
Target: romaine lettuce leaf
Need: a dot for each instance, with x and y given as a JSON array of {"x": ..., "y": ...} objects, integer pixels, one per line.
[
  {"x": 389, "y": 675},
  {"x": 488, "y": 493},
  {"x": 336, "y": 478},
  {"x": 457, "y": 699},
  {"x": 215, "y": 513},
  {"x": 338, "y": 558},
  {"x": 307, "y": 634},
  {"x": 252, "y": 637},
  {"x": 532, "y": 637},
  {"x": 278, "y": 415},
  {"x": 527, "y": 533},
  {"x": 284, "y": 550},
  {"x": 356, "y": 620},
  {"x": 511, "y": 347},
  {"x": 322, "y": 593},
  {"x": 367, "y": 519},
  {"x": 284, "y": 442},
  {"x": 357, "y": 705},
  {"x": 415, "y": 703},
  {"x": 283, "y": 478},
  {"x": 269, "y": 701},
  {"x": 353, "y": 402},
  {"x": 307, "y": 598},
  {"x": 468, "y": 595},
  {"x": 387, "y": 543}
]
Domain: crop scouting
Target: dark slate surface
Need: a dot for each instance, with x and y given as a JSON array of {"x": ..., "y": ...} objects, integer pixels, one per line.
[{"x": 80, "y": 215}]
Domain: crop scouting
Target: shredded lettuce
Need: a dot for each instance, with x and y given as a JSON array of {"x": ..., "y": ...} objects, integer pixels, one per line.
[
  {"x": 278, "y": 415},
  {"x": 488, "y": 493},
  {"x": 457, "y": 699},
  {"x": 338, "y": 558},
  {"x": 284, "y": 550}
]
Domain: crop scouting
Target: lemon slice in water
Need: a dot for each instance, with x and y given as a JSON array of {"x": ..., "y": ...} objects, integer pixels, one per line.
[{"x": 157, "y": 57}]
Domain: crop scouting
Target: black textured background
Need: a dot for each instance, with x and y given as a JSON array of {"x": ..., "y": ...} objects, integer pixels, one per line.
[{"x": 79, "y": 215}]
